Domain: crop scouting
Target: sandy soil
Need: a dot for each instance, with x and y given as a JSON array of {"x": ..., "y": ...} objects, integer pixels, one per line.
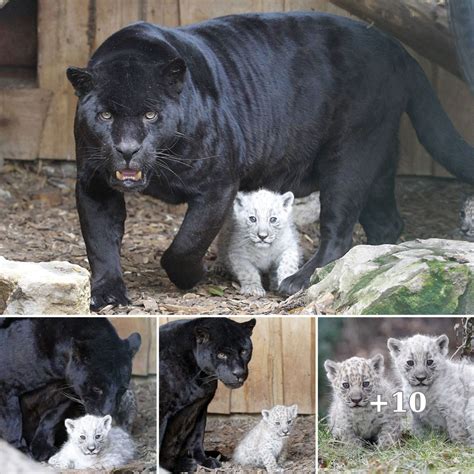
[
  {"x": 38, "y": 222},
  {"x": 224, "y": 432}
]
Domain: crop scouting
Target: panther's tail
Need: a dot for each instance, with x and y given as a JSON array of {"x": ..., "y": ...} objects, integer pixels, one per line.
[{"x": 435, "y": 130}]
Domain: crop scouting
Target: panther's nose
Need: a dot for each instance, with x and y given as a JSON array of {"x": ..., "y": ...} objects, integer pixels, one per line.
[
  {"x": 128, "y": 148},
  {"x": 239, "y": 375},
  {"x": 262, "y": 236}
]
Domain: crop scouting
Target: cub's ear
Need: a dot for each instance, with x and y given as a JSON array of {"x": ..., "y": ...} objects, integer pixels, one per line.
[
  {"x": 377, "y": 363},
  {"x": 69, "y": 424},
  {"x": 239, "y": 200},
  {"x": 331, "y": 368},
  {"x": 202, "y": 335},
  {"x": 81, "y": 79},
  {"x": 173, "y": 74},
  {"x": 265, "y": 414},
  {"x": 287, "y": 199},
  {"x": 249, "y": 325},
  {"x": 134, "y": 342},
  {"x": 443, "y": 343},
  {"x": 294, "y": 410},
  {"x": 107, "y": 422},
  {"x": 394, "y": 346}
]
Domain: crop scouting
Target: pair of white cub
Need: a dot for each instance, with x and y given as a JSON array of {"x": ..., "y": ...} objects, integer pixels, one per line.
[{"x": 93, "y": 443}]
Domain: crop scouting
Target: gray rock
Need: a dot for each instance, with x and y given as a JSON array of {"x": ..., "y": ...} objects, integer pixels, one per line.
[
  {"x": 306, "y": 210},
  {"x": 433, "y": 276},
  {"x": 14, "y": 462},
  {"x": 43, "y": 288}
]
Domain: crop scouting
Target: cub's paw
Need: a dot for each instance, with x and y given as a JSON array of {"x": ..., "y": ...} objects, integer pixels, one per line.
[
  {"x": 182, "y": 272},
  {"x": 211, "y": 463},
  {"x": 292, "y": 284},
  {"x": 112, "y": 292},
  {"x": 252, "y": 290}
]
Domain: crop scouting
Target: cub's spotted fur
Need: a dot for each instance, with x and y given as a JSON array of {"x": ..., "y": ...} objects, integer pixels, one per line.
[
  {"x": 466, "y": 218},
  {"x": 448, "y": 386},
  {"x": 259, "y": 237},
  {"x": 356, "y": 382},
  {"x": 265, "y": 444}
]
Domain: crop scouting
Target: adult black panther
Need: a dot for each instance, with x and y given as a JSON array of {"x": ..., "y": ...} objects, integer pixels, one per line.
[
  {"x": 86, "y": 353},
  {"x": 290, "y": 102},
  {"x": 194, "y": 355}
]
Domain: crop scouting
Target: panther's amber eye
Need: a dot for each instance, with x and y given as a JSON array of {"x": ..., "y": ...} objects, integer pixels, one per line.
[
  {"x": 151, "y": 116},
  {"x": 222, "y": 356},
  {"x": 105, "y": 116}
]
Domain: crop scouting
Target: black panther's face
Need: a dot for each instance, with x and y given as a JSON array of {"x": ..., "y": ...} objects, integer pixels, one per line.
[
  {"x": 130, "y": 111},
  {"x": 224, "y": 354}
]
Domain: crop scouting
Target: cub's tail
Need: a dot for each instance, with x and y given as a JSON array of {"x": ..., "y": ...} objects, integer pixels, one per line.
[{"x": 435, "y": 130}]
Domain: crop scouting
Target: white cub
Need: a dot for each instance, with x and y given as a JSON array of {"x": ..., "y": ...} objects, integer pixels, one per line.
[
  {"x": 357, "y": 382},
  {"x": 259, "y": 237},
  {"x": 94, "y": 444},
  {"x": 448, "y": 386},
  {"x": 264, "y": 445}
]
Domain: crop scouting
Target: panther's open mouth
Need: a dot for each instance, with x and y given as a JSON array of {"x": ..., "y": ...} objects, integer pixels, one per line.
[{"x": 128, "y": 174}]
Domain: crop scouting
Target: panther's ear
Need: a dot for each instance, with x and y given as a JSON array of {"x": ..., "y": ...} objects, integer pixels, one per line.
[
  {"x": 394, "y": 346},
  {"x": 443, "y": 343},
  {"x": 249, "y": 325},
  {"x": 202, "y": 335},
  {"x": 287, "y": 199},
  {"x": 69, "y": 424},
  {"x": 134, "y": 342},
  {"x": 331, "y": 368},
  {"x": 173, "y": 74},
  {"x": 81, "y": 79},
  {"x": 377, "y": 363}
]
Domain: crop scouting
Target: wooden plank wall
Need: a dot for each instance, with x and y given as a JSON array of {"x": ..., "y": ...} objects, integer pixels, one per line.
[
  {"x": 70, "y": 30},
  {"x": 144, "y": 362},
  {"x": 282, "y": 369}
]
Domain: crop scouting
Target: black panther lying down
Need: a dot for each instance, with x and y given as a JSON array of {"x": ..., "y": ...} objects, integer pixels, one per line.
[
  {"x": 86, "y": 353},
  {"x": 194, "y": 355},
  {"x": 289, "y": 102},
  {"x": 45, "y": 409}
]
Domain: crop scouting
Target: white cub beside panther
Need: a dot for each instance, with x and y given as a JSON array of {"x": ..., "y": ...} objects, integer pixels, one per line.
[
  {"x": 265, "y": 444},
  {"x": 94, "y": 444},
  {"x": 352, "y": 419},
  {"x": 258, "y": 237},
  {"x": 448, "y": 386}
]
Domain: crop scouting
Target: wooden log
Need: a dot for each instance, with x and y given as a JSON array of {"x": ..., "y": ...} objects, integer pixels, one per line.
[{"x": 421, "y": 24}]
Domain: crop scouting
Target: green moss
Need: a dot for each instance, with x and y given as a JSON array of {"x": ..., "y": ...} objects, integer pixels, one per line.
[
  {"x": 440, "y": 293},
  {"x": 321, "y": 273}
]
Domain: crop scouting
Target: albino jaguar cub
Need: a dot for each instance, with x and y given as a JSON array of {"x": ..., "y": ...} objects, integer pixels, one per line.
[
  {"x": 94, "y": 444},
  {"x": 259, "y": 237},
  {"x": 448, "y": 386},
  {"x": 264, "y": 444},
  {"x": 356, "y": 382}
]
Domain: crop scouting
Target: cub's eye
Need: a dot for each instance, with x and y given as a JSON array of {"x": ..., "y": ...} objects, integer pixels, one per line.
[
  {"x": 252, "y": 219},
  {"x": 290, "y": 421},
  {"x": 273, "y": 220},
  {"x": 105, "y": 116},
  {"x": 277, "y": 422},
  {"x": 346, "y": 385},
  {"x": 411, "y": 363},
  {"x": 429, "y": 362},
  {"x": 82, "y": 437},
  {"x": 222, "y": 356},
  {"x": 97, "y": 436},
  {"x": 151, "y": 116},
  {"x": 365, "y": 384},
  {"x": 97, "y": 390}
]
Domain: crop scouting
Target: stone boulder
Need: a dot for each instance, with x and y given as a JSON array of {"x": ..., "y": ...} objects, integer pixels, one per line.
[
  {"x": 433, "y": 276},
  {"x": 43, "y": 288},
  {"x": 306, "y": 210}
]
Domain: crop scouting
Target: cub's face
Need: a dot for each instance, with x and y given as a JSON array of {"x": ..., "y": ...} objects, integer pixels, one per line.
[
  {"x": 89, "y": 433},
  {"x": 281, "y": 419},
  {"x": 356, "y": 379},
  {"x": 261, "y": 215},
  {"x": 223, "y": 350},
  {"x": 128, "y": 119},
  {"x": 101, "y": 375},
  {"x": 419, "y": 359}
]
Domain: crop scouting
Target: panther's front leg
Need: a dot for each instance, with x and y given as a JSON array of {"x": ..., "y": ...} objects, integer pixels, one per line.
[
  {"x": 204, "y": 218},
  {"x": 102, "y": 216}
]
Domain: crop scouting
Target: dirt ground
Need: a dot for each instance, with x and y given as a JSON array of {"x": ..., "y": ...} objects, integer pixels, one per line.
[
  {"x": 224, "y": 432},
  {"x": 38, "y": 222}
]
